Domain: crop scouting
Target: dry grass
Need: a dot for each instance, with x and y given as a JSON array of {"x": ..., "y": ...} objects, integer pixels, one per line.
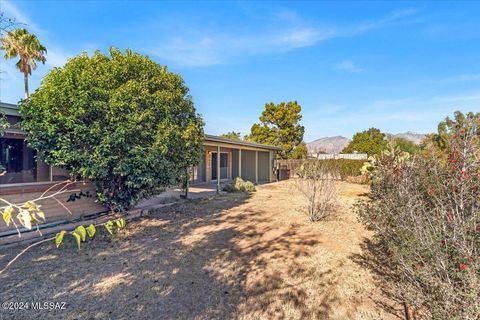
[{"x": 234, "y": 256}]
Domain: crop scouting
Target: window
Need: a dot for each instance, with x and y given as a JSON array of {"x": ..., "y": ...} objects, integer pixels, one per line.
[
  {"x": 19, "y": 162},
  {"x": 223, "y": 160},
  {"x": 223, "y": 165}
]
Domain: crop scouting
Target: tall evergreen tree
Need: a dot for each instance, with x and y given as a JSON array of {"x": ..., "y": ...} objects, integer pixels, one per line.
[{"x": 280, "y": 125}]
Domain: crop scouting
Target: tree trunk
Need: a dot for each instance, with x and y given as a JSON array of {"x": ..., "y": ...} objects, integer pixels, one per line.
[
  {"x": 25, "y": 79},
  {"x": 186, "y": 184}
]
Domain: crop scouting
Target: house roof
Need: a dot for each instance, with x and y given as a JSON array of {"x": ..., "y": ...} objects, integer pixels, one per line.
[
  {"x": 12, "y": 110},
  {"x": 9, "y": 109},
  {"x": 209, "y": 137}
]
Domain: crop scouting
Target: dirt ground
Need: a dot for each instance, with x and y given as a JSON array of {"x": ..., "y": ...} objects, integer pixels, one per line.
[{"x": 228, "y": 257}]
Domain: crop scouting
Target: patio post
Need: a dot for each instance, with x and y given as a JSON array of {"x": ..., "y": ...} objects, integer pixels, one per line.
[
  {"x": 218, "y": 169},
  {"x": 256, "y": 166},
  {"x": 240, "y": 163},
  {"x": 270, "y": 172}
]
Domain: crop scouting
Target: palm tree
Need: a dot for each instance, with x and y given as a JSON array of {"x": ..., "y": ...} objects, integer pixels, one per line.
[{"x": 25, "y": 45}]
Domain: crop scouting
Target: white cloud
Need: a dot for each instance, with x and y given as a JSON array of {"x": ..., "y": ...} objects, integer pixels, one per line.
[
  {"x": 349, "y": 66},
  {"x": 192, "y": 46},
  {"x": 11, "y": 82},
  {"x": 13, "y": 12},
  {"x": 218, "y": 48},
  {"x": 464, "y": 77},
  {"x": 56, "y": 57},
  {"x": 301, "y": 38},
  {"x": 392, "y": 18},
  {"x": 202, "y": 52}
]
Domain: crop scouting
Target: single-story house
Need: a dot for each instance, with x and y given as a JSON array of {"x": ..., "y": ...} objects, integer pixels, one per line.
[{"x": 26, "y": 178}]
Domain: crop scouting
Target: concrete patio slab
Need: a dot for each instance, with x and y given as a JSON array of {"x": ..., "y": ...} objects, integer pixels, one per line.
[{"x": 172, "y": 195}]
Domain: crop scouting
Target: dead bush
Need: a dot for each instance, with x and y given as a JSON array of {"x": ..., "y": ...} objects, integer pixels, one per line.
[{"x": 316, "y": 183}]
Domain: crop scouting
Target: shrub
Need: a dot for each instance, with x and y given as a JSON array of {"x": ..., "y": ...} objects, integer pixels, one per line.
[
  {"x": 316, "y": 182},
  {"x": 345, "y": 167},
  {"x": 120, "y": 120},
  {"x": 426, "y": 215},
  {"x": 238, "y": 184},
  {"x": 229, "y": 187},
  {"x": 350, "y": 168}
]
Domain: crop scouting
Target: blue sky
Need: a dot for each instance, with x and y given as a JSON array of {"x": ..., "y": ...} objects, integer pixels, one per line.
[{"x": 398, "y": 66}]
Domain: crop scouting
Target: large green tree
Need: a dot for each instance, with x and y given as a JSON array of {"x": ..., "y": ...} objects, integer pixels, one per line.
[
  {"x": 20, "y": 43},
  {"x": 371, "y": 141},
  {"x": 232, "y": 135},
  {"x": 405, "y": 145},
  {"x": 120, "y": 120},
  {"x": 300, "y": 151},
  {"x": 280, "y": 125}
]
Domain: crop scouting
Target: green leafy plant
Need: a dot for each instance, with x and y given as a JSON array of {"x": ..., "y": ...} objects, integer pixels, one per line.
[
  {"x": 119, "y": 120},
  {"x": 109, "y": 227},
  {"x": 91, "y": 230},
  {"x": 59, "y": 238},
  {"x": 239, "y": 185},
  {"x": 80, "y": 233},
  {"x": 29, "y": 214}
]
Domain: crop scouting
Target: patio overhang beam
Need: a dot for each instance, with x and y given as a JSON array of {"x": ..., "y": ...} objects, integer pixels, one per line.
[{"x": 232, "y": 146}]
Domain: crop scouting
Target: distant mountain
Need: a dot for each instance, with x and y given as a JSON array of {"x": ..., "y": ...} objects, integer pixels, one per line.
[
  {"x": 338, "y": 143},
  {"x": 411, "y": 136},
  {"x": 328, "y": 145}
]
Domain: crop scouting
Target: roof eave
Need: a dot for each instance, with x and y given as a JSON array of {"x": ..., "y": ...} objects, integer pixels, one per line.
[{"x": 209, "y": 137}]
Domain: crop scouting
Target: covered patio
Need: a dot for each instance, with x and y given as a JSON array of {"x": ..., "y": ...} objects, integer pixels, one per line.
[{"x": 225, "y": 159}]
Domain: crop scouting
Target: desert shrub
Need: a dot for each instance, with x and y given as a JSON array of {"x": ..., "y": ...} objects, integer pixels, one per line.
[
  {"x": 244, "y": 186},
  {"x": 350, "y": 168},
  {"x": 426, "y": 215},
  {"x": 316, "y": 183},
  {"x": 238, "y": 184},
  {"x": 345, "y": 168},
  {"x": 229, "y": 187}
]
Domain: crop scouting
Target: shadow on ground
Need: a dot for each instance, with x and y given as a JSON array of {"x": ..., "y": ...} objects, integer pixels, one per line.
[
  {"x": 374, "y": 258},
  {"x": 196, "y": 259}
]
